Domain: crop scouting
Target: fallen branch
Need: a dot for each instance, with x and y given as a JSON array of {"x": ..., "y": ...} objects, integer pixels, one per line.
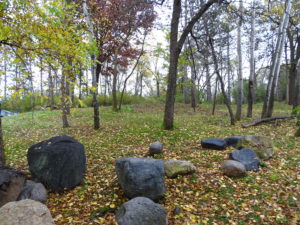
[{"x": 264, "y": 120}]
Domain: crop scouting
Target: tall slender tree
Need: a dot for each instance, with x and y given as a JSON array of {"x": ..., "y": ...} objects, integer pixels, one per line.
[
  {"x": 239, "y": 100},
  {"x": 275, "y": 67},
  {"x": 175, "y": 50}
]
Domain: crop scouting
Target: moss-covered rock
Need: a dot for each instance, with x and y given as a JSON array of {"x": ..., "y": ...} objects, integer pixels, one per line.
[
  {"x": 262, "y": 145},
  {"x": 173, "y": 168}
]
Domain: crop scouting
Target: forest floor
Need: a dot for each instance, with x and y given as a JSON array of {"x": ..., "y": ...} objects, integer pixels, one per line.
[{"x": 270, "y": 196}]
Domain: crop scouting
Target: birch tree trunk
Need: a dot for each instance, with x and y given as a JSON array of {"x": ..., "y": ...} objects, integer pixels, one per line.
[
  {"x": 239, "y": 102},
  {"x": 252, "y": 64},
  {"x": 228, "y": 67},
  {"x": 93, "y": 68},
  {"x": 273, "y": 76}
]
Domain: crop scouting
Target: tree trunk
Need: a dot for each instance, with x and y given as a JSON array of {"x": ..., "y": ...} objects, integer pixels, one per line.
[
  {"x": 228, "y": 67},
  {"x": 208, "y": 84},
  {"x": 41, "y": 76},
  {"x": 297, "y": 92},
  {"x": 239, "y": 102},
  {"x": 63, "y": 100},
  {"x": 93, "y": 69},
  {"x": 215, "y": 98},
  {"x": 273, "y": 76},
  {"x": 172, "y": 75},
  {"x": 252, "y": 65},
  {"x": 51, "y": 89},
  {"x": 5, "y": 79},
  {"x": 114, "y": 87},
  {"x": 175, "y": 49},
  {"x": 2, "y": 154},
  {"x": 294, "y": 57},
  {"x": 210, "y": 41}
]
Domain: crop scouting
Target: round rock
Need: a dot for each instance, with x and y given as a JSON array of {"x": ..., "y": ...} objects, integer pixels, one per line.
[
  {"x": 25, "y": 212},
  {"x": 156, "y": 148},
  {"x": 141, "y": 211},
  {"x": 233, "y": 168},
  {"x": 34, "y": 191},
  {"x": 141, "y": 177}
]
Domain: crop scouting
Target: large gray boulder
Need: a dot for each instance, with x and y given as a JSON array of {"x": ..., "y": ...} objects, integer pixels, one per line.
[
  {"x": 141, "y": 177},
  {"x": 25, "y": 212},
  {"x": 34, "y": 191},
  {"x": 11, "y": 184},
  {"x": 233, "y": 168},
  {"x": 141, "y": 211},
  {"x": 247, "y": 157},
  {"x": 214, "y": 143},
  {"x": 262, "y": 145},
  {"x": 155, "y": 148},
  {"x": 173, "y": 168},
  {"x": 59, "y": 163}
]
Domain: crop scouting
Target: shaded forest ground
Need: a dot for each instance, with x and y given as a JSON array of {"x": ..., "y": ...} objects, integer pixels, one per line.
[{"x": 270, "y": 196}]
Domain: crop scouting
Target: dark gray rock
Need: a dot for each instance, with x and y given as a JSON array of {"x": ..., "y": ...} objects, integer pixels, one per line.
[
  {"x": 59, "y": 163},
  {"x": 214, "y": 143},
  {"x": 156, "y": 148},
  {"x": 141, "y": 177},
  {"x": 233, "y": 140},
  {"x": 11, "y": 184},
  {"x": 141, "y": 211},
  {"x": 247, "y": 157},
  {"x": 233, "y": 168},
  {"x": 34, "y": 191}
]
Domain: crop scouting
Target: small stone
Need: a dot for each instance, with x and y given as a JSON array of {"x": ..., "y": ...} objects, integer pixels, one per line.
[
  {"x": 141, "y": 211},
  {"x": 155, "y": 148},
  {"x": 176, "y": 211},
  {"x": 233, "y": 168},
  {"x": 214, "y": 143},
  {"x": 173, "y": 168},
  {"x": 34, "y": 191}
]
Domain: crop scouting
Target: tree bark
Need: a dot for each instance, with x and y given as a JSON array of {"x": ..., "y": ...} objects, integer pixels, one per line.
[
  {"x": 41, "y": 76},
  {"x": 51, "y": 89},
  {"x": 63, "y": 100},
  {"x": 227, "y": 103},
  {"x": 2, "y": 154},
  {"x": 273, "y": 76},
  {"x": 294, "y": 57},
  {"x": 264, "y": 120},
  {"x": 252, "y": 64},
  {"x": 228, "y": 67},
  {"x": 93, "y": 68},
  {"x": 175, "y": 49},
  {"x": 239, "y": 102}
]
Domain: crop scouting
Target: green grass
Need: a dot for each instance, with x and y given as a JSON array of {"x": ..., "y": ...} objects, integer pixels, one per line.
[{"x": 206, "y": 197}]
